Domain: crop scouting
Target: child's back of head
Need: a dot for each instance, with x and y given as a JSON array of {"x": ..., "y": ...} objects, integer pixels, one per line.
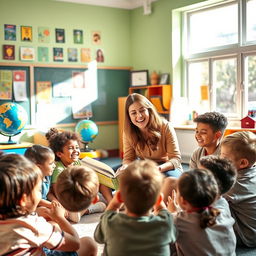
[
  {"x": 241, "y": 145},
  {"x": 38, "y": 154},
  {"x": 216, "y": 120},
  {"x": 76, "y": 188},
  {"x": 18, "y": 177},
  {"x": 223, "y": 171},
  {"x": 140, "y": 186},
  {"x": 199, "y": 188}
]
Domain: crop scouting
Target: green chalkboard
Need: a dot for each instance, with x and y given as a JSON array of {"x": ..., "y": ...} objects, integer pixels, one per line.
[
  {"x": 25, "y": 104},
  {"x": 112, "y": 83}
]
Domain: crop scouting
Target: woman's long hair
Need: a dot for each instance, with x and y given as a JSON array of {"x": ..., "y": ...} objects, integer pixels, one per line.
[{"x": 153, "y": 127}]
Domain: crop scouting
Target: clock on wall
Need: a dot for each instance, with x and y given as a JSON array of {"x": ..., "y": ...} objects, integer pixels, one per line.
[{"x": 139, "y": 77}]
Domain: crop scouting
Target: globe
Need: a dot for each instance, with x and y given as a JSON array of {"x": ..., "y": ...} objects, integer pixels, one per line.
[
  {"x": 87, "y": 129},
  {"x": 13, "y": 119}
]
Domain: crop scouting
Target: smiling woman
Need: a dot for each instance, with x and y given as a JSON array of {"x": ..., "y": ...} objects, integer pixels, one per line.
[{"x": 149, "y": 136}]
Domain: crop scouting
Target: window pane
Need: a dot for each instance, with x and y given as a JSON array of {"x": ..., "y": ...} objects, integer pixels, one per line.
[
  {"x": 250, "y": 20},
  {"x": 224, "y": 82},
  {"x": 250, "y": 80},
  {"x": 213, "y": 27},
  {"x": 198, "y": 76}
]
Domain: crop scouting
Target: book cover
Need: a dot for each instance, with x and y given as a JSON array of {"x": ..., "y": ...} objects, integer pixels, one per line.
[
  {"x": 72, "y": 54},
  {"x": 43, "y": 35},
  {"x": 43, "y": 54},
  {"x": 27, "y": 53},
  {"x": 106, "y": 174},
  {"x": 8, "y": 52},
  {"x": 9, "y": 32},
  {"x": 85, "y": 54},
  {"x": 78, "y": 36},
  {"x": 60, "y": 35},
  {"x": 26, "y": 33},
  {"x": 58, "y": 54}
]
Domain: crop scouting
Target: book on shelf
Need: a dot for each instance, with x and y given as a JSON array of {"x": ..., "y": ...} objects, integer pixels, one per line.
[
  {"x": 106, "y": 174},
  {"x": 157, "y": 102}
]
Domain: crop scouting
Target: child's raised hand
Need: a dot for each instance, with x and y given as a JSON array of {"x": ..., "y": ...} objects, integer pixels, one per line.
[{"x": 172, "y": 205}]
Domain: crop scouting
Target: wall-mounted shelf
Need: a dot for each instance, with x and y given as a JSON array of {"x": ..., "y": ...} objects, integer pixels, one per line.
[{"x": 159, "y": 95}]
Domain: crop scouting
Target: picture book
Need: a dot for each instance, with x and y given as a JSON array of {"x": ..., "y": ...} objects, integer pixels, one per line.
[
  {"x": 8, "y": 52},
  {"x": 106, "y": 174},
  {"x": 9, "y": 32}
]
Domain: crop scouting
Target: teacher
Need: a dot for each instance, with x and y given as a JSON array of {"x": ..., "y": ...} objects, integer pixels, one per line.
[{"x": 147, "y": 135}]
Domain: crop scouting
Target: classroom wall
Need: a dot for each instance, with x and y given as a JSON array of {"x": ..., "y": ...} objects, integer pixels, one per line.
[{"x": 113, "y": 23}]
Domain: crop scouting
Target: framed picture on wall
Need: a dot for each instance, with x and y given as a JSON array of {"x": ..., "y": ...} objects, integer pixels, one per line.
[
  {"x": 8, "y": 52},
  {"x": 10, "y": 32},
  {"x": 164, "y": 78},
  {"x": 60, "y": 35},
  {"x": 139, "y": 78},
  {"x": 27, "y": 53},
  {"x": 26, "y": 33},
  {"x": 78, "y": 36}
]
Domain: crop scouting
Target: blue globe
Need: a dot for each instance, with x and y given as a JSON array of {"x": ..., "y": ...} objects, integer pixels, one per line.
[
  {"x": 13, "y": 118},
  {"x": 87, "y": 129}
]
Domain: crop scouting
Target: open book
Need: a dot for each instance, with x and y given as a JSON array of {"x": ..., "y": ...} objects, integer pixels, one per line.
[{"x": 106, "y": 174}]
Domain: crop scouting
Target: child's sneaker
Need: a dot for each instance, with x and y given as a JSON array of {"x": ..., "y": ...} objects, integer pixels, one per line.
[
  {"x": 98, "y": 207},
  {"x": 74, "y": 216}
]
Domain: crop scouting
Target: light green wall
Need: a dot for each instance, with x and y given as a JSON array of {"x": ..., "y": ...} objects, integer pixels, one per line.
[
  {"x": 129, "y": 38},
  {"x": 113, "y": 23}
]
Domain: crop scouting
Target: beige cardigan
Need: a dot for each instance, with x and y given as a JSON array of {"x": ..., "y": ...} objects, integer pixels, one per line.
[{"x": 167, "y": 148}]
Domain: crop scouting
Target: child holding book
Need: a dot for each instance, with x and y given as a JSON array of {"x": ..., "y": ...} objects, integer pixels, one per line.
[
  {"x": 240, "y": 148},
  {"x": 43, "y": 157},
  {"x": 66, "y": 149},
  {"x": 202, "y": 229},
  {"x": 22, "y": 231},
  {"x": 136, "y": 231}
]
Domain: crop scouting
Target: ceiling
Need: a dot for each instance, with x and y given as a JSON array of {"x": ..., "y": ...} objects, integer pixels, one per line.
[{"x": 123, "y": 4}]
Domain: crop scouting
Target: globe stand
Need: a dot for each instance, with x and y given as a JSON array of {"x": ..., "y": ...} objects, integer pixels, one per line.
[
  {"x": 86, "y": 151},
  {"x": 10, "y": 141}
]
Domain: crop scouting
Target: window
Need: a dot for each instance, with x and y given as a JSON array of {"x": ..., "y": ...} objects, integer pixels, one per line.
[{"x": 220, "y": 58}]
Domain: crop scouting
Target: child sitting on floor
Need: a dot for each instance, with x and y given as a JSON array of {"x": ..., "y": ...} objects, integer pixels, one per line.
[
  {"x": 240, "y": 148},
  {"x": 202, "y": 229},
  {"x": 43, "y": 157},
  {"x": 210, "y": 127},
  {"x": 66, "y": 148},
  {"x": 137, "y": 231},
  {"x": 22, "y": 231}
]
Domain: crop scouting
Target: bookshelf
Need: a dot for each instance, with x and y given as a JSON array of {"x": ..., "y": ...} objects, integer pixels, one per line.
[{"x": 159, "y": 95}]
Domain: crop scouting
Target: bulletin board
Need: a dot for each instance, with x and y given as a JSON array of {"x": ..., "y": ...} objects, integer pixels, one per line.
[
  {"x": 25, "y": 104},
  {"x": 112, "y": 84}
]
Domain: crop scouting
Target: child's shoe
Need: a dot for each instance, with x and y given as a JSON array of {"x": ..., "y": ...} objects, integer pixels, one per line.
[{"x": 98, "y": 207}]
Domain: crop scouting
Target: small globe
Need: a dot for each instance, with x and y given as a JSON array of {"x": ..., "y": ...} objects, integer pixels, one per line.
[
  {"x": 87, "y": 129},
  {"x": 13, "y": 119}
]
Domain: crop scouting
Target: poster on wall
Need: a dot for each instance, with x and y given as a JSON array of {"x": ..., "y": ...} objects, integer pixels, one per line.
[
  {"x": 43, "y": 91},
  {"x": 99, "y": 55},
  {"x": 27, "y": 53},
  {"x": 43, "y": 54},
  {"x": 10, "y": 32},
  {"x": 43, "y": 35},
  {"x": 85, "y": 54},
  {"x": 72, "y": 54},
  {"x": 8, "y": 52},
  {"x": 58, "y": 54},
  {"x": 60, "y": 35},
  {"x": 96, "y": 37},
  {"x": 5, "y": 84},
  {"x": 78, "y": 79},
  {"x": 19, "y": 85},
  {"x": 26, "y": 33},
  {"x": 78, "y": 36}
]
